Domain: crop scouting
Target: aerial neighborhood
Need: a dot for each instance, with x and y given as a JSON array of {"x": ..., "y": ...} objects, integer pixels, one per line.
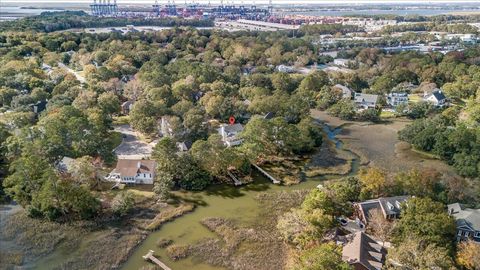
[{"x": 226, "y": 136}]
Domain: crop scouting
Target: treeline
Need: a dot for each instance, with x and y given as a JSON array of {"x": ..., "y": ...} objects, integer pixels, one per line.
[
  {"x": 323, "y": 29},
  {"x": 456, "y": 143},
  {"x": 459, "y": 28},
  {"x": 419, "y": 18},
  {"x": 55, "y": 21}
]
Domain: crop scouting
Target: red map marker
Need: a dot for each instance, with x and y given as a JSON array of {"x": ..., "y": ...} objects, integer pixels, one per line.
[{"x": 231, "y": 120}]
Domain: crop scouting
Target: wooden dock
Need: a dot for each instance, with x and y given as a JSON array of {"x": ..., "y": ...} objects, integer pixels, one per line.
[
  {"x": 273, "y": 179},
  {"x": 156, "y": 261},
  {"x": 236, "y": 182}
]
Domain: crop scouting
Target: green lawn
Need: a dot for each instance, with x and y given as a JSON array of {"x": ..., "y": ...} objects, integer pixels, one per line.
[
  {"x": 121, "y": 120},
  {"x": 414, "y": 98},
  {"x": 387, "y": 114}
]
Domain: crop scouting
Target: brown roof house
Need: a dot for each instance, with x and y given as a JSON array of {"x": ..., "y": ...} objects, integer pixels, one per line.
[
  {"x": 133, "y": 171},
  {"x": 363, "y": 253},
  {"x": 389, "y": 206}
]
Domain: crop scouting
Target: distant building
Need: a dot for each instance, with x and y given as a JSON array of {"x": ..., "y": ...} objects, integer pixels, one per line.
[
  {"x": 39, "y": 107},
  {"x": 436, "y": 98},
  {"x": 65, "y": 165},
  {"x": 363, "y": 253},
  {"x": 390, "y": 207},
  {"x": 165, "y": 127},
  {"x": 47, "y": 68},
  {"x": 184, "y": 146},
  {"x": 127, "y": 107},
  {"x": 342, "y": 62},
  {"x": 366, "y": 101},
  {"x": 285, "y": 69},
  {"x": 346, "y": 92},
  {"x": 133, "y": 171},
  {"x": 395, "y": 99},
  {"x": 467, "y": 220},
  {"x": 269, "y": 115},
  {"x": 230, "y": 134}
]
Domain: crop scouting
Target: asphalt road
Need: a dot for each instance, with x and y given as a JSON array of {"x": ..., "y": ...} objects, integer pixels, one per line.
[{"x": 132, "y": 147}]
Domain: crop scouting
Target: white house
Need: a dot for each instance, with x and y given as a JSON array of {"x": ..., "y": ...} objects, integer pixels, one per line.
[
  {"x": 342, "y": 62},
  {"x": 436, "y": 98},
  {"x": 230, "y": 134},
  {"x": 133, "y": 171},
  {"x": 285, "y": 69},
  {"x": 395, "y": 99},
  {"x": 366, "y": 101}
]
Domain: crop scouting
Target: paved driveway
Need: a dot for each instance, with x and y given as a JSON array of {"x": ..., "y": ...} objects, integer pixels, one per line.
[{"x": 132, "y": 147}]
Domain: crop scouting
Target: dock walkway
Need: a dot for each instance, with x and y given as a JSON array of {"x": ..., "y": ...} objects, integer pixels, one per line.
[
  {"x": 274, "y": 180},
  {"x": 156, "y": 261},
  {"x": 236, "y": 182}
]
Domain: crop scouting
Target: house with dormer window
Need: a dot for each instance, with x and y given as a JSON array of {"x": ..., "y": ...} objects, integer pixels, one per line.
[
  {"x": 467, "y": 220},
  {"x": 231, "y": 134},
  {"x": 390, "y": 207},
  {"x": 133, "y": 171}
]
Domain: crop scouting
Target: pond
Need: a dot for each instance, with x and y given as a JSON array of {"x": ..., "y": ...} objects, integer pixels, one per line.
[{"x": 237, "y": 203}]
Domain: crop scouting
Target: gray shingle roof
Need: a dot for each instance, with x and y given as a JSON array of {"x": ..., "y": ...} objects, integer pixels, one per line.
[
  {"x": 233, "y": 129},
  {"x": 368, "y": 98},
  {"x": 465, "y": 216}
]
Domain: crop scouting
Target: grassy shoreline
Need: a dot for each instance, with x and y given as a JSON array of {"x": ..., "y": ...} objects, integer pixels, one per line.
[{"x": 82, "y": 245}]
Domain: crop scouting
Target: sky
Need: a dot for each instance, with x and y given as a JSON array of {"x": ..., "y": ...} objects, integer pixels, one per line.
[{"x": 261, "y": 1}]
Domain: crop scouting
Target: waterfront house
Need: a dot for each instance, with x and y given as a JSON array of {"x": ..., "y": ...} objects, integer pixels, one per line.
[
  {"x": 230, "y": 134},
  {"x": 436, "y": 98},
  {"x": 133, "y": 171},
  {"x": 390, "y": 207},
  {"x": 365, "y": 101},
  {"x": 395, "y": 99},
  {"x": 467, "y": 220},
  {"x": 363, "y": 253}
]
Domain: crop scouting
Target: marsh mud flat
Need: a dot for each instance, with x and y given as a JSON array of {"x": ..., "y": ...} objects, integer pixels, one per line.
[
  {"x": 104, "y": 243},
  {"x": 378, "y": 144}
]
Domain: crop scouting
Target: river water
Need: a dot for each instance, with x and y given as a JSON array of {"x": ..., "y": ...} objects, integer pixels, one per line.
[{"x": 237, "y": 203}]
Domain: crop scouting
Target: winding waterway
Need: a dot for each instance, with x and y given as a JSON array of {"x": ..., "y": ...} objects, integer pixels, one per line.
[{"x": 237, "y": 203}]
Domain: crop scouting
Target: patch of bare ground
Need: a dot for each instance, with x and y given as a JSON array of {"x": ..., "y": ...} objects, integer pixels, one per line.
[
  {"x": 104, "y": 243},
  {"x": 252, "y": 246}
]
